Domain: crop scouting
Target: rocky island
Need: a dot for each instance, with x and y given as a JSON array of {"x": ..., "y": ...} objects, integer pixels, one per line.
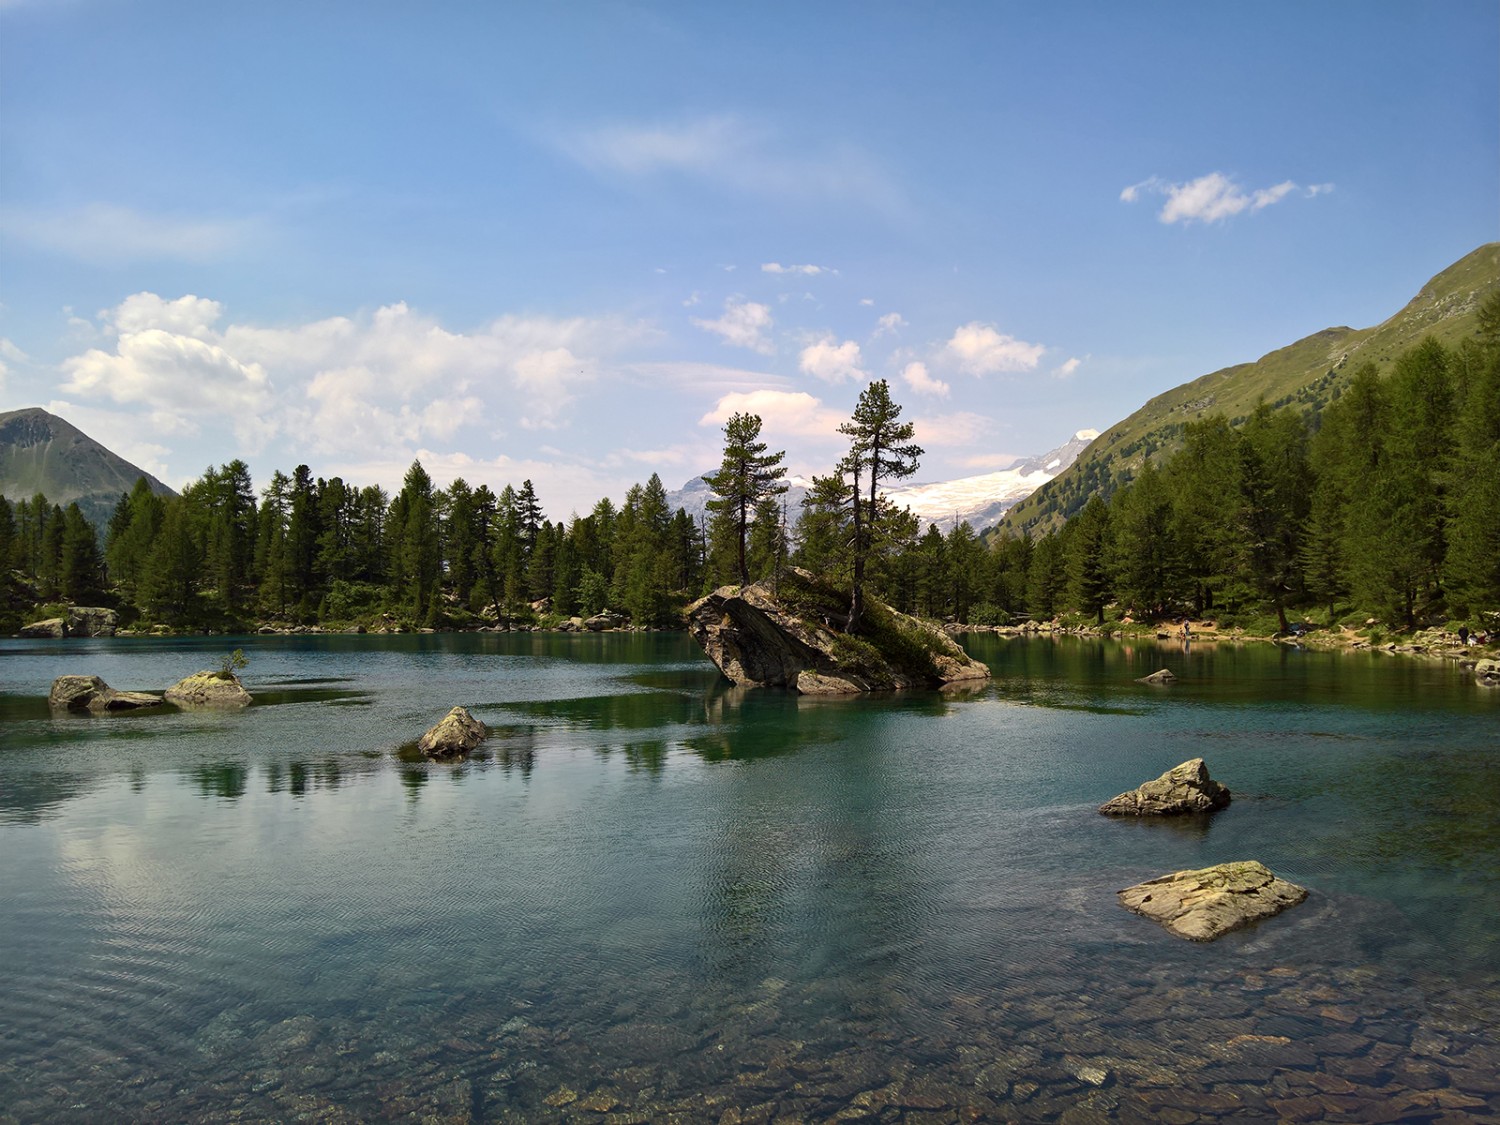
[{"x": 790, "y": 633}]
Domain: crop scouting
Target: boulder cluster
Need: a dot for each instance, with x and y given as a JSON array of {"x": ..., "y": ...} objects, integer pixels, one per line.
[{"x": 1207, "y": 903}]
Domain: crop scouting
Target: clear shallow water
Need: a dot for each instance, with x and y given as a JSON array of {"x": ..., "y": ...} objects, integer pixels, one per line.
[{"x": 658, "y": 896}]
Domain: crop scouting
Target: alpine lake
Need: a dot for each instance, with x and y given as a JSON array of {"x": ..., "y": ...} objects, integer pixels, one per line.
[{"x": 653, "y": 897}]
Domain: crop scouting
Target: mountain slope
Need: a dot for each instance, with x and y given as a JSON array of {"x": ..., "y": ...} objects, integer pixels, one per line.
[
  {"x": 1308, "y": 374},
  {"x": 40, "y": 452}
]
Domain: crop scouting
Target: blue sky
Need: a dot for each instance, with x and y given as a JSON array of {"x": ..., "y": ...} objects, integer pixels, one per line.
[{"x": 564, "y": 241}]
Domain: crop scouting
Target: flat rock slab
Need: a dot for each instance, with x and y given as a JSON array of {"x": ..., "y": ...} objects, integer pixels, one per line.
[
  {"x": 1180, "y": 791},
  {"x": 209, "y": 689},
  {"x": 90, "y": 693},
  {"x": 456, "y": 735},
  {"x": 1208, "y": 903}
]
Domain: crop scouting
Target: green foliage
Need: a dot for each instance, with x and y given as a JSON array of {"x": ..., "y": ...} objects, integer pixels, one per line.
[{"x": 232, "y": 664}]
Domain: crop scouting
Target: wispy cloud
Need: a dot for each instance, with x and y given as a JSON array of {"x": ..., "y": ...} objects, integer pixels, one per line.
[
  {"x": 1214, "y": 197},
  {"x": 109, "y": 233},
  {"x": 735, "y": 154},
  {"x": 806, "y": 270}
]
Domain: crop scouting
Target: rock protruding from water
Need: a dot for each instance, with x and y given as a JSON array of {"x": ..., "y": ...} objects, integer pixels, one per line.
[
  {"x": 1206, "y": 904},
  {"x": 1181, "y": 790},
  {"x": 1159, "y": 677},
  {"x": 1487, "y": 673},
  {"x": 209, "y": 689},
  {"x": 792, "y": 636},
  {"x": 455, "y": 736},
  {"x": 90, "y": 693},
  {"x": 81, "y": 621}
]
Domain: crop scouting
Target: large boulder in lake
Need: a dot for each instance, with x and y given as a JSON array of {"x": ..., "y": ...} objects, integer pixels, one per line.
[
  {"x": 212, "y": 688},
  {"x": 791, "y": 634},
  {"x": 90, "y": 693},
  {"x": 81, "y": 621},
  {"x": 1487, "y": 673},
  {"x": 455, "y": 736},
  {"x": 50, "y": 628},
  {"x": 1181, "y": 790},
  {"x": 1205, "y": 904}
]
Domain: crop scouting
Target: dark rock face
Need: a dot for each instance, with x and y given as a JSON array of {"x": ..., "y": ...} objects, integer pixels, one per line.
[
  {"x": 1205, "y": 904},
  {"x": 209, "y": 689},
  {"x": 1181, "y": 790},
  {"x": 1161, "y": 676},
  {"x": 757, "y": 641},
  {"x": 455, "y": 736},
  {"x": 90, "y": 693}
]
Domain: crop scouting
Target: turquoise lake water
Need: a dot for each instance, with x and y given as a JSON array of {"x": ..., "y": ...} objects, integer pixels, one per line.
[{"x": 656, "y": 897}]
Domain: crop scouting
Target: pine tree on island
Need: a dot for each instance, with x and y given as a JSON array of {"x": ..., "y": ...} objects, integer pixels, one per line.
[
  {"x": 881, "y": 448},
  {"x": 747, "y": 475}
]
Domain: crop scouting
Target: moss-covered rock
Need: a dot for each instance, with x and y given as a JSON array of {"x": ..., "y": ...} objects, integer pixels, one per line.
[
  {"x": 209, "y": 689},
  {"x": 792, "y": 635}
]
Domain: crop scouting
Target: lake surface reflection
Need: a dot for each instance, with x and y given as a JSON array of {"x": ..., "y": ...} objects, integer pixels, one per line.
[{"x": 653, "y": 897}]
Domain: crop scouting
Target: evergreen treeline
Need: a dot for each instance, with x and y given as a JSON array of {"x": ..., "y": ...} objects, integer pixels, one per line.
[{"x": 1384, "y": 504}]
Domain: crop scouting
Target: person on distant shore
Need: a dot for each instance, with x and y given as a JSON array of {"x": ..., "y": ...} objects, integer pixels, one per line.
[{"x": 1463, "y": 634}]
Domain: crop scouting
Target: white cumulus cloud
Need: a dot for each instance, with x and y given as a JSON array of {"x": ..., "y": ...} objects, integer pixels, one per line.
[
  {"x": 783, "y": 412},
  {"x": 918, "y": 379},
  {"x": 745, "y": 324},
  {"x": 832, "y": 362},
  {"x": 980, "y": 349},
  {"x": 1214, "y": 197},
  {"x": 1065, "y": 369}
]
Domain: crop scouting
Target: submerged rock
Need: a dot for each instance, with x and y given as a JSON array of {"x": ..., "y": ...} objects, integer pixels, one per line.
[
  {"x": 792, "y": 636},
  {"x": 1208, "y": 903},
  {"x": 209, "y": 689},
  {"x": 1182, "y": 789},
  {"x": 90, "y": 693},
  {"x": 456, "y": 735},
  {"x": 1161, "y": 676}
]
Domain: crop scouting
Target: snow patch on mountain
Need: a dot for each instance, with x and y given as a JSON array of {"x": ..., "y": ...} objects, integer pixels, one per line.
[{"x": 981, "y": 500}]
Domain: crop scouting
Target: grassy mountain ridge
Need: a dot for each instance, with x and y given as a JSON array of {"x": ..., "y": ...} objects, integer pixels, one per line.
[
  {"x": 40, "y": 452},
  {"x": 1309, "y": 374}
]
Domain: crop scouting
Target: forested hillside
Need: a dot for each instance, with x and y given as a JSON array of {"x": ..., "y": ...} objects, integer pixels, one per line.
[{"x": 1305, "y": 376}]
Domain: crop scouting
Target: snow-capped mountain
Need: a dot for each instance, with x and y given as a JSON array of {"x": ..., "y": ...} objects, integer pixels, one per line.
[{"x": 981, "y": 500}]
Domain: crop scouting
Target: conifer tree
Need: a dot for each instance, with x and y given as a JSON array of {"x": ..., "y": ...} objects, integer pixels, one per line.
[
  {"x": 880, "y": 449},
  {"x": 747, "y": 475}
]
